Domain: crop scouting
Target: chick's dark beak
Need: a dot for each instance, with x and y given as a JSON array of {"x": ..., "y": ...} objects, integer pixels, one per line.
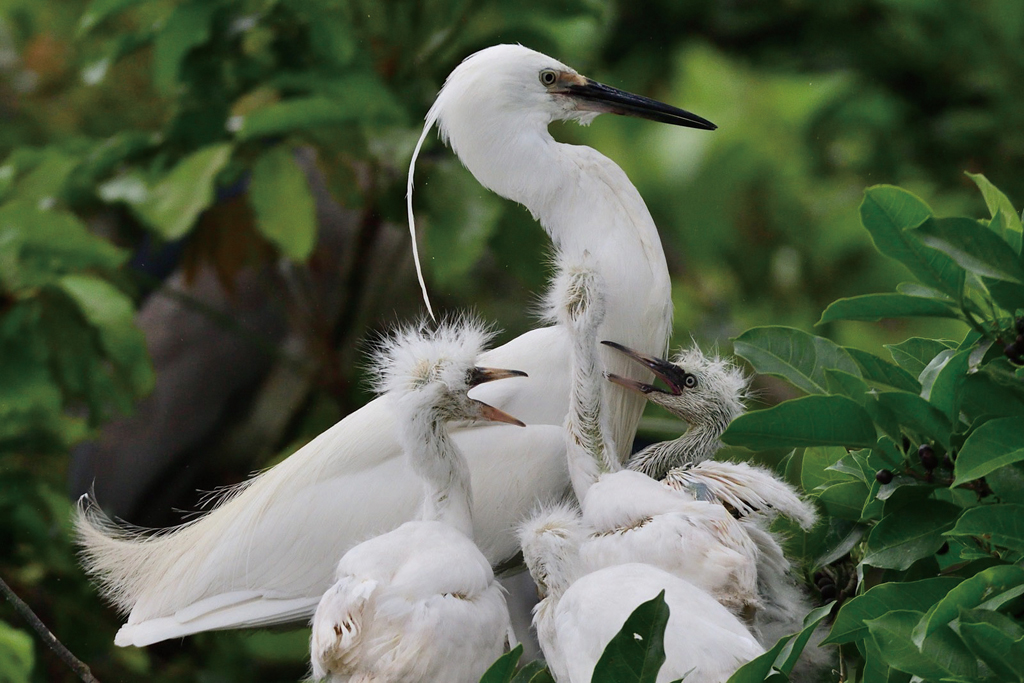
[
  {"x": 590, "y": 95},
  {"x": 672, "y": 375}
]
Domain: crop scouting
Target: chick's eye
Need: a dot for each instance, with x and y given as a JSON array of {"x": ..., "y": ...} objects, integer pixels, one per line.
[
  {"x": 690, "y": 381},
  {"x": 548, "y": 77}
]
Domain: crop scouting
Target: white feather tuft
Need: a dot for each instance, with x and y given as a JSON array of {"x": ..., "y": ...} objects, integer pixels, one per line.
[{"x": 415, "y": 355}]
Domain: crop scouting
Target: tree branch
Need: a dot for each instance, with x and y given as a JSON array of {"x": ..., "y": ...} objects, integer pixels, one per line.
[{"x": 77, "y": 665}]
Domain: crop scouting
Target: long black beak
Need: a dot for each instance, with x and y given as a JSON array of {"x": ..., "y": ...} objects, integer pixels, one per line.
[
  {"x": 672, "y": 375},
  {"x": 593, "y": 96}
]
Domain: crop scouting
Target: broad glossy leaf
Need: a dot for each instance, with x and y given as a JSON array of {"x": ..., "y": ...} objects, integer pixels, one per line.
[
  {"x": 998, "y": 203},
  {"x": 172, "y": 206},
  {"x": 806, "y": 421},
  {"x": 844, "y": 384},
  {"x": 187, "y": 28},
  {"x": 1008, "y": 483},
  {"x": 969, "y": 594},
  {"x": 849, "y": 625},
  {"x": 534, "y": 672},
  {"x": 973, "y": 246},
  {"x": 504, "y": 668},
  {"x": 903, "y": 537},
  {"x": 794, "y": 647},
  {"x": 793, "y": 355},
  {"x": 987, "y": 395},
  {"x": 942, "y": 382},
  {"x": 284, "y": 207},
  {"x": 914, "y": 354},
  {"x": 942, "y": 655},
  {"x": 877, "y": 669},
  {"x": 637, "y": 652},
  {"x": 874, "y": 307},
  {"x": 993, "y": 445},
  {"x": 784, "y": 655},
  {"x": 916, "y": 414},
  {"x": 1002, "y": 524},
  {"x": 759, "y": 668},
  {"x": 996, "y": 639},
  {"x": 845, "y": 500},
  {"x": 1009, "y": 295},
  {"x": 881, "y": 373},
  {"x": 889, "y": 213}
]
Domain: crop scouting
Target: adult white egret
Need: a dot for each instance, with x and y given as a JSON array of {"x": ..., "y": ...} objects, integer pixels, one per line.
[
  {"x": 579, "y": 614},
  {"x": 267, "y": 552},
  {"x": 420, "y": 602},
  {"x": 708, "y": 393},
  {"x": 630, "y": 517}
]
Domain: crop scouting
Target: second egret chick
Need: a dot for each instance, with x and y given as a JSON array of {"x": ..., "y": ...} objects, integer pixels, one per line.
[
  {"x": 708, "y": 393},
  {"x": 420, "y": 603},
  {"x": 578, "y": 615},
  {"x": 628, "y": 516}
]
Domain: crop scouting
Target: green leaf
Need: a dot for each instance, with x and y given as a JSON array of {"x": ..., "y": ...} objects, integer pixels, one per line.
[
  {"x": 815, "y": 469},
  {"x": 993, "y": 445},
  {"x": 996, "y": 639},
  {"x": 969, "y": 594},
  {"x": 914, "y": 354},
  {"x": 998, "y": 204},
  {"x": 973, "y": 246},
  {"x": 806, "y": 421},
  {"x": 874, "y": 307},
  {"x": 1008, "y": 483},
  {"x": 942, "y": 382},
  {"x": 284, "y": 207},
  {"x": 793, "y": 355},
  {"x": 784, "y": 655},
  {"x": 942, "y": 655},
  {"x": 187, "y": 28},
  {"x": 880, "y": 373},
  {"x": 17, "y": 656},
  {"x": 317, "y": 111},
  {"x": 844, "y": 384},
  {"x": 637, "y": 652},
  {"x": 916, "y": 414},
  {"x": 845, "y": 500},
  {"x": 903, "y": 537},
  {"x": 504, "y": 668},
  {"x": 849, "y": 625},
  {"x": 889, "y": 213},
  {"x": 534, "y": 672},
  {"x": 1002, "y": 524},
  {"x": 111, "y": 312},
  {"x": 461, "y": 220},
  {"x": 173, "y": 205},
  {"x": 101, "y": 9}
]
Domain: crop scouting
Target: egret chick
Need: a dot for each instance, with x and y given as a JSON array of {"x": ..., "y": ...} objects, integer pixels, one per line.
[
  {"x": 708, "y": 393},
  {"x": 578, "y": 615},
  {"x": 628, "y": 516},
  {"x": 420, "y": 603}
]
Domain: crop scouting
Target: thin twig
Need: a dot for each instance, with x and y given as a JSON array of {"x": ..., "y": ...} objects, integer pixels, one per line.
[{"x": 77, "y": 665}]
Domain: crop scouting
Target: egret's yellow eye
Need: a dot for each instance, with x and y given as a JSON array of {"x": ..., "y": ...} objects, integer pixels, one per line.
[{"x": 548, "y": 77}]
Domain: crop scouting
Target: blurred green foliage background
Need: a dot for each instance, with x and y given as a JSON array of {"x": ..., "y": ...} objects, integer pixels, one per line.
[{"x": 230, "y": 158}]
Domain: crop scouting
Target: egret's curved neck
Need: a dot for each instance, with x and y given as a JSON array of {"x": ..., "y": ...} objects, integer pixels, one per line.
[
  {"x": 699, "y": 443},
  {"x": 436, "y": 459}
]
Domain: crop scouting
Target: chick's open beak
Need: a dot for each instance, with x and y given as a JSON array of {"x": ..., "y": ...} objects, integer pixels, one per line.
[
  {"x": 478, "y": 376},
  {"x": 589, "y": 95},
  {"x": 673, "y": 376}
]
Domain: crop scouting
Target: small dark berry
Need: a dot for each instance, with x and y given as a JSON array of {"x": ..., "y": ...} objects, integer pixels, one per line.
[
  {"x": 927, "y": 456},
  {"x": 1012, "y": 351},
  {"x": 943, "y": 550},
  {"x": 829, "y": 592},
  {"x": 883, "y": 476}
]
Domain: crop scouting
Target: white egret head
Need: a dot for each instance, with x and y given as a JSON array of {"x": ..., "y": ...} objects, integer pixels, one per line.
[
  {"x": 429, "y": 372},
  {"x": 706, "y": 391},
  {"x": 495, "y": 107}
]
